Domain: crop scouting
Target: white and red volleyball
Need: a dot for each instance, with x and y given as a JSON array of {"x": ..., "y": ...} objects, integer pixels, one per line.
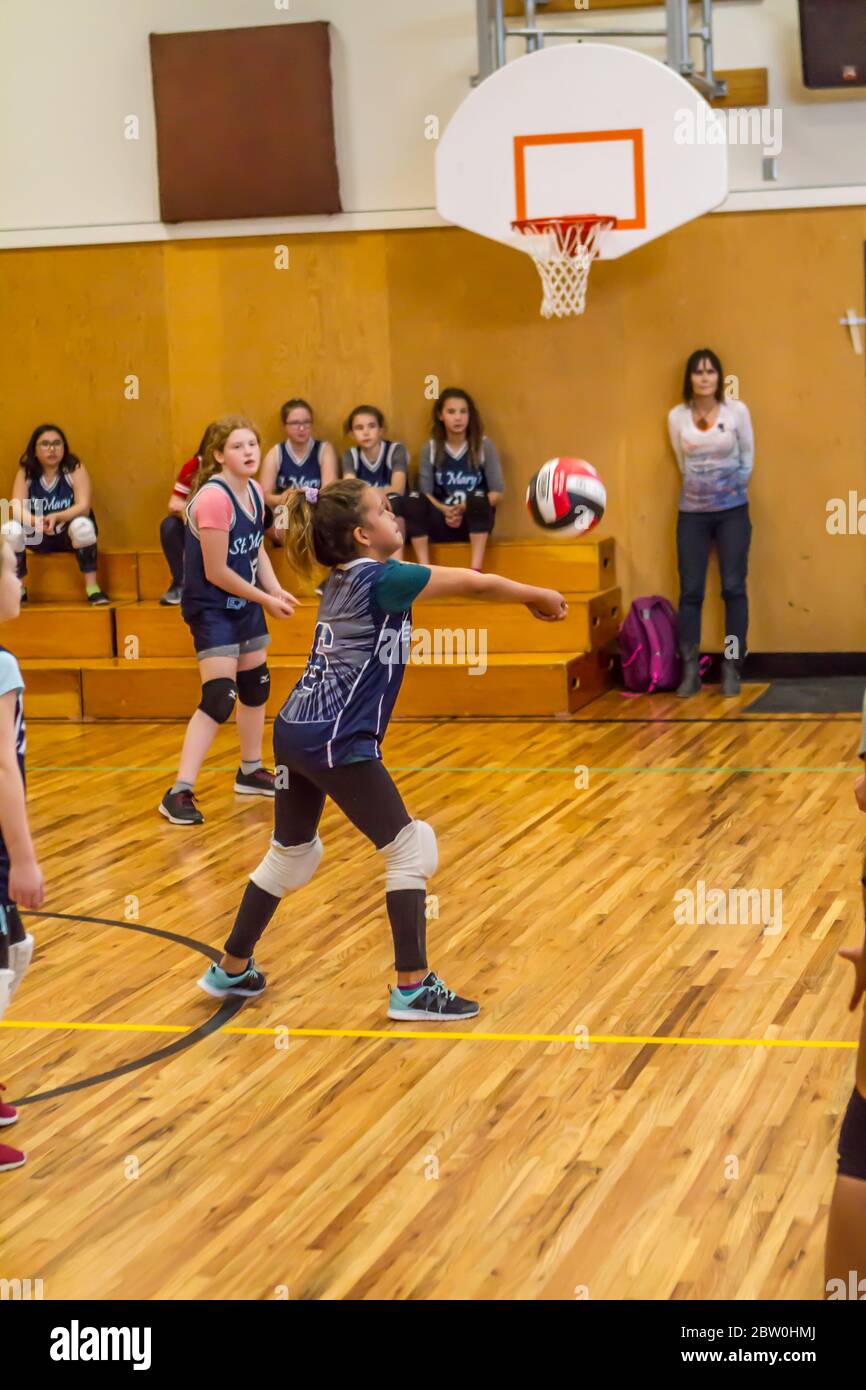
[{"x": 566, "y": 495}]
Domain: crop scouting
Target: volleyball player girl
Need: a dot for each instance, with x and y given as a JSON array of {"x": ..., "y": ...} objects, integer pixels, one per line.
[
  {"x": 21, "y": 881},
  {"x": 172, "y": 530},
  {"x": 328, "y": 734},
  {"x": 52, "y": 490},
  {"x": 460, "y": 481},
  {"x": 229, "y": 584},
  {"x": 381, "y": 462},
  {"x": 846, "y": 1229},
  {"x": 299, "y": 461}
]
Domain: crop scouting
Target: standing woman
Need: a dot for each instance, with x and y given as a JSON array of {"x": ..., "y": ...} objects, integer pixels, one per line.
[
  {"x": 715, "y": 449},
  {"x": 52, "y": 489},
  {"x": 229, "y": 584},
  {"x": 300, "y": 461},
  {"x": 460, "y": 483}
]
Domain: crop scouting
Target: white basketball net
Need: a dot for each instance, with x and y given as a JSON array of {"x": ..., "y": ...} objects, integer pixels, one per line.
[{"x": 563, "y": 250}]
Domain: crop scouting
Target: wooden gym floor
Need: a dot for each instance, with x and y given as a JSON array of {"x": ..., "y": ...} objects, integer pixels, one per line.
[{"x": 677, "y": 1155}]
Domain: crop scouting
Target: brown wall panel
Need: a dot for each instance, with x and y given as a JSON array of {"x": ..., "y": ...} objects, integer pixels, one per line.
[{"x": 244, "y": 122}]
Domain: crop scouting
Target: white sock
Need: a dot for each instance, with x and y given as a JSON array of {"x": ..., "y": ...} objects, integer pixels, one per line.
[{"x": 20, "y": 956}]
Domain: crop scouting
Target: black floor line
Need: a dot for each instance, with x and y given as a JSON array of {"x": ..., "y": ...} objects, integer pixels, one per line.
[{"x": 211, "y": 1025}]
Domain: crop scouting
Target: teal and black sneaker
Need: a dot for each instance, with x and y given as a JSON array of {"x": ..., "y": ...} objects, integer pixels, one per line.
[
  {"x": 219, "y": 985},
  {"x": 430, "y": 999}
]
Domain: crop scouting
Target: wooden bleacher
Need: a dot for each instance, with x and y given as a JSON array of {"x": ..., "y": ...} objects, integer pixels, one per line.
[{"x": 134, "y": 659}]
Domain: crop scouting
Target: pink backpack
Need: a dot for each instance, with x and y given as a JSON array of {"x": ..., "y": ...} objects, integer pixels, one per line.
[{"x": 649, "y": 646}]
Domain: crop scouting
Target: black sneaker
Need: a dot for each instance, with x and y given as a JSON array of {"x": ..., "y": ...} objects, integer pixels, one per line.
[
  {"x": 23, "y": 597},
  {"x": 258, "y": 783},
  {"x": 432, "y": 999},
  {"x": 97, "y": 598},
  {"x": 219, "y": 985},
  {"x": 180, "y": 808},
  {"x": 172, "y": 597}
]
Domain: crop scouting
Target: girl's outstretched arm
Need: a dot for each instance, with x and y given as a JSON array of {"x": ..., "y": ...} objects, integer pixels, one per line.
[{"x": 445, "y": 582}]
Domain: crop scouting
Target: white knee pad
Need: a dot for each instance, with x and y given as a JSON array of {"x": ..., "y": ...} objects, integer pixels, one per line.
[
  {"x": 411, "y": 858},
  {"x": 13, "y": 532},
  {"x": 20, "y": 956},
  {"x": 286, "y": 867},
  {"x": 82, "y": 532},
  {"x": 7, "y": 978}
]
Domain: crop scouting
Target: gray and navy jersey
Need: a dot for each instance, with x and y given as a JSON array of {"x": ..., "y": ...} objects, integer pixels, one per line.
[
  {"x": 55, "y": 498},
  {"x": 339, "y": 710},
  {"x": 292, "y": 473},
  {"x": 451, "y": 478},
  {"x": 392, "y": 457}
]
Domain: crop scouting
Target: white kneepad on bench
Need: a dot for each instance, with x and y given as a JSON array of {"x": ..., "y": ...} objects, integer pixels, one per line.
[
  {"x": 411, "y": 858},
  {"x": 13, "y": 533},
  {"x": 82, "y": 532},
  {"x": 286, "y": 867}
]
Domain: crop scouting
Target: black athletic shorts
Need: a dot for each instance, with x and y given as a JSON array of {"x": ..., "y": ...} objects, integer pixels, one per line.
[{"x": 852, "y": 1139}]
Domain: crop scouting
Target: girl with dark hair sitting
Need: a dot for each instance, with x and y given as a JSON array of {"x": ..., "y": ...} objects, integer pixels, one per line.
[
  {"x": 52, "y": 492},
  {"x": 381, "y": 462},
  {"x": 460, "y": 483}
]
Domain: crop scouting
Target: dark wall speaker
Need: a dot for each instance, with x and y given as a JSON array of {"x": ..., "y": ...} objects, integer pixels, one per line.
[{"x": 833, "y": 40}]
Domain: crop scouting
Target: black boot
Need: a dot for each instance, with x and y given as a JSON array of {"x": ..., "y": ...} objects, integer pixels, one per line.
[
  {"x": 730, "y": 676},
  {"x": 691, "y": 681}
]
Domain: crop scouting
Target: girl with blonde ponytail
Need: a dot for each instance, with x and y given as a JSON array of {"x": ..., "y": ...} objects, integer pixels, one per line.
[
  {"x": 229, "y": 584},
  {"x": 328, "y": 735}
]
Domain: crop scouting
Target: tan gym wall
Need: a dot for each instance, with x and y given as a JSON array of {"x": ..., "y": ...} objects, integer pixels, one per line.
[{"x": 211, "y": 326}]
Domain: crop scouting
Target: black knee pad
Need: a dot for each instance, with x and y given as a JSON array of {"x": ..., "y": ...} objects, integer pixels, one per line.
[
  {"x": 254, "y": 686},
  {"x": 218, "y": 699},
  {"x": 86, "y": 557}
]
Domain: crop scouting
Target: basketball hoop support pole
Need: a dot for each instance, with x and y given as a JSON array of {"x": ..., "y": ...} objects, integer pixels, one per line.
[
  {"x": 679, "y": 57},
  {"x": 676, "y": 33},
  {"x": 486, "y": 51}
]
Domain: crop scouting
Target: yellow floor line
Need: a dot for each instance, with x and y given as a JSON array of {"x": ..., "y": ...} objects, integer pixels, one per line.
[{"x": 444, "y": 1034}]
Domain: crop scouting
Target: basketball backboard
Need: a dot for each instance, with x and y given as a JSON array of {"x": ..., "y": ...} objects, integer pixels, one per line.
[{"x": 582, "y": 128}]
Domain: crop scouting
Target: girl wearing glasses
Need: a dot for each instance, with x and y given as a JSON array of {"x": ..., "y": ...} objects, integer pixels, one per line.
[
  {"x": 299, "y": 462},
  {"x": 52, "y": 492}
]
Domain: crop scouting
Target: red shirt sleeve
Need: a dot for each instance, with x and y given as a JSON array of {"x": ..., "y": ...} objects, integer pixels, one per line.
[
  {"x": 183, "y": 486},
  {"x": 213, "y": 510}
]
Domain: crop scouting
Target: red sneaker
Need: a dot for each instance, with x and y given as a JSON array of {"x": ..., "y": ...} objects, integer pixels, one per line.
[
  {"x": 11, "y": 1158},
  {"x": 8, "y": 1113}
]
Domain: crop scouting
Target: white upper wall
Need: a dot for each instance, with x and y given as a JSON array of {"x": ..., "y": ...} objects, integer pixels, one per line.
[{"x": 75, "y": 69}]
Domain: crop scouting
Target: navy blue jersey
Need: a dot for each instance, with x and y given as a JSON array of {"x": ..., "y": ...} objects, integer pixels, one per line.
[
  {"x": 10, "y": 679},
  {"x": 455, "y": 478},
  {"x": 244, "y": 542},
  {"x": 55, "y": 498},
  {"x": 378, "y": 474},
  {"x": 339, "y": 710},
  {"x": 290, "y": 473}
]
